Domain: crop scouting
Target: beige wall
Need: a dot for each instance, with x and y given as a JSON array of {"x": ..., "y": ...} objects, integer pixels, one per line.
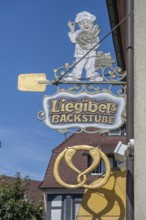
[{"x": 140, "y": 109}]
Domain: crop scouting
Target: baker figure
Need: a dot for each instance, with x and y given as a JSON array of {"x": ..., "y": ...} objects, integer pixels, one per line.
[{"x": 85, "y": 38}]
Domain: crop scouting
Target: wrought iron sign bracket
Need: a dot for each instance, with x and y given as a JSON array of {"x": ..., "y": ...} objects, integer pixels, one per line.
[{"x": 112, "y": 89}]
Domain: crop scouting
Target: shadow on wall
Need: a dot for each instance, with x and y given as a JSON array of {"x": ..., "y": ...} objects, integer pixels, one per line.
[{"x": 106, "y": 203}]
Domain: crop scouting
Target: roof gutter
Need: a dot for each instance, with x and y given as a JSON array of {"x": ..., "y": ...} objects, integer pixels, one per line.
[{"x": 117, "y": 41}]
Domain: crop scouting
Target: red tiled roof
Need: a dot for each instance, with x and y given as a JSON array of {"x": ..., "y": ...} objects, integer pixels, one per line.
[
  {"x": 106, "y": 143},
  {"x": 34, "y": 192}
]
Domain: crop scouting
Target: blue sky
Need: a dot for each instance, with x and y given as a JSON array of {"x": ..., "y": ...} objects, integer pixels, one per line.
[{"x": 34, "y": 39}]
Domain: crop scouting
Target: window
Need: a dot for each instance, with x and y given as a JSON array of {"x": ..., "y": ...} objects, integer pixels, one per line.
[
  {"x": 63, "y": 207},
  {"x": 115, "y": 132},
  {"x": 57, "y": 201},
  {"x": 56, "y": 214},
  {"x": 77, "y": 203},
  {"x": 101, "y": 167},
  {"x": 68, "y": 210},
  {"x": 54, "y": 207},
  {"x": 119, "y": 131},
  {"x": 123, "y": 132}
]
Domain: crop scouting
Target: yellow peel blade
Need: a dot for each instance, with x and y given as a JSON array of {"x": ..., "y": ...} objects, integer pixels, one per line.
[{"x": 30, "y": 82}]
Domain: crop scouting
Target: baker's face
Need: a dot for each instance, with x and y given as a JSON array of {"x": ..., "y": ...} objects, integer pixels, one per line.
[{"x": 85, "y": 25}]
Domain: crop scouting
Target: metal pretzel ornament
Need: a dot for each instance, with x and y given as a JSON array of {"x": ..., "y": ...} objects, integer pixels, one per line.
[
  {"x": 86, "y": 40},
  {"x": 96, "y": 155}
]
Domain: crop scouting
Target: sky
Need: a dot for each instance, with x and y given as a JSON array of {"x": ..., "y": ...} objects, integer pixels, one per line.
[{"x": 34, "y": 39}]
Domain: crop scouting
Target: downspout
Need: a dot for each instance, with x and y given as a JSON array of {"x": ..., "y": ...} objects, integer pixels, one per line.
[{"x": 130, "y": 110}]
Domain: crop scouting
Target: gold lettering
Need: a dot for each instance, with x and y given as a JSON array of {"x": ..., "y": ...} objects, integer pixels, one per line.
[
  {"x": 97, "y": 118},
  {"x": 83, "y": 111},
  {"x": 84, "y": 118},
  {"x": 105, "y": 119},
  {"x": 92, "y": 107},
  {"x": 77, "y": 118},
  {"x": 102, "y": 108},
  {"x": 69, "y": 107},
  {"x": 90, "y": 118},
  {"x": 55, "y": 107},
  {"x": 108, "y": 107},
  {"x": 63, "y": 118},
  {"x": 70, "y": 118},
  {"x": 114, "y": 107},
  {"x": 55, "y": 119},
  {"x": 86, "y": 105},
  {"x": 78, "y": 107},
  {"x": 111, "y": 120},
  {"x": 63, "y": 105}
]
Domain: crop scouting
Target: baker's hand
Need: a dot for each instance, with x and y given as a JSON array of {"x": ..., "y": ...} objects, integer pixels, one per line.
[{"x": 71, "y": 25}]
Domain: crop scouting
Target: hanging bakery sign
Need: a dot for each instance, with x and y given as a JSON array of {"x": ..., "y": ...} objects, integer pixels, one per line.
[
  {"x": 65, "y": 110},
  {"x": 92, "y": 73}
]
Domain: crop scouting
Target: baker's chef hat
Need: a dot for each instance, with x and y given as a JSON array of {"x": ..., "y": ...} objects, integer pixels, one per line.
[{"x": 84, "y": 15}]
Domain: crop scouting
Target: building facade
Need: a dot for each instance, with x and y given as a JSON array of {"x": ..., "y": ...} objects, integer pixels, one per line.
[{"x": 62, "y": 203}]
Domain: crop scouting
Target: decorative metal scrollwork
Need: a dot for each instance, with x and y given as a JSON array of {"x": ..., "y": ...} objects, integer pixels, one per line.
[
  {"x": 96, "y": 155},
  {"x": 41, "y": 115},
  {"x": 113, "y": 83},
  {"x": 104, "y": 66}
]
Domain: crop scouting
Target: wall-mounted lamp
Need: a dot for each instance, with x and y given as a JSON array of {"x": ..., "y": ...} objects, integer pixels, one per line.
[{"x": 121, "y": 153}]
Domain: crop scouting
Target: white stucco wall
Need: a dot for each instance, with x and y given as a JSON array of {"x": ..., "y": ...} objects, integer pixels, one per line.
[{"x": 140, "y": 108}]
